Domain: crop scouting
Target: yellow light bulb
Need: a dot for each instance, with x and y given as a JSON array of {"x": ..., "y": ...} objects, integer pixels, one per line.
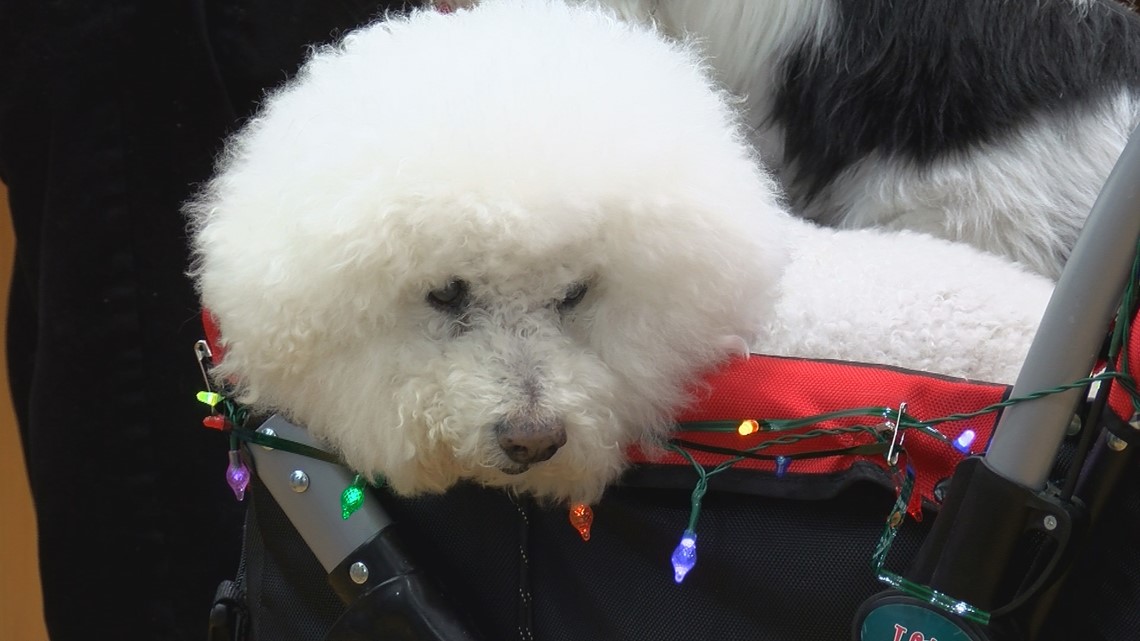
[{"x": 748, "y": 427}]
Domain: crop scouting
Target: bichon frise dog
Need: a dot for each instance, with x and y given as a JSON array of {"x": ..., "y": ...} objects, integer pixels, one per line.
[{"x": 504, "y": 244}]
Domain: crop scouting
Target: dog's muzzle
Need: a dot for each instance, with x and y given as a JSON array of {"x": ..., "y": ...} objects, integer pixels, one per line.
[{"x": 526, "y": 441}]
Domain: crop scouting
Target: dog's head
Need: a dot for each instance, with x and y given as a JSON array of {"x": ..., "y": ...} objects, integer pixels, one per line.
[{"x": 497, "y": 245}]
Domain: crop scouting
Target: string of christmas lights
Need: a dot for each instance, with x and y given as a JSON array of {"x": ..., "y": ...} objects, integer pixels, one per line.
[
  {"x": 901, "y": 583},
  {"x": 684, "y": 556},
  {"x": 234, "y": 417},
  {"x": 892, "y": 422}
]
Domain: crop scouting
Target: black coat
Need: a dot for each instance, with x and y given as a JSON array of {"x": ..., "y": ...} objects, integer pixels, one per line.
[{"x": 110, "y": 113}]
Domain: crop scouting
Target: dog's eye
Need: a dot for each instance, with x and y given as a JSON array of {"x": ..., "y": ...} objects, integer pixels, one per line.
[
  {"x": 449, "y": 298},
  {"x": 573, "y": 297}
]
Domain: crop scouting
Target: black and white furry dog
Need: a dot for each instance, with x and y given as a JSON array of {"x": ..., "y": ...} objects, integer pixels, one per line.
[{"x": 993, "y": 122}]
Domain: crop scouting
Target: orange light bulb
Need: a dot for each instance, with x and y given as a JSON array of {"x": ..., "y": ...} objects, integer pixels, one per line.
[
  {"x": 582, "y": 517},
  {"x": 748, "y": 427}
]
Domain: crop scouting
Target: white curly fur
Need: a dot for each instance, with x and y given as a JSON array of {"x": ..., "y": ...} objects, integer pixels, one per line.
[{"x": 526, "y": 147}]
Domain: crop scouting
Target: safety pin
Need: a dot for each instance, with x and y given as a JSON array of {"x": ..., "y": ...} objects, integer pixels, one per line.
[
  {"x": 896, "y": 440},
  {"x": 202, "y": 353}
]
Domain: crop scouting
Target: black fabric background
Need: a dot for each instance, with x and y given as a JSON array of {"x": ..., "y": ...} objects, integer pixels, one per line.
[
  {"x": 771, "y": 567},
  {"x": 110, "y": 113}
]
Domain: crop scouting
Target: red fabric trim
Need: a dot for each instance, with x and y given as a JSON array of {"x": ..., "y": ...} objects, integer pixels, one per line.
[
  {"x": 1118, "y": 399},
  {"x": 213, "y": 336},
  {"x": 769, "y": 387}
]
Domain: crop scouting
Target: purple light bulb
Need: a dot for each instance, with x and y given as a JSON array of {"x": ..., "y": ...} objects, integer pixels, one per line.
[{"x": 237, "y": 475}]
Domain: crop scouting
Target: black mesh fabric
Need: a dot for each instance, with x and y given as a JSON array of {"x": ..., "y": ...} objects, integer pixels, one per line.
[
  {"x": 468, "y": 541},
  {"x": 772, "y": 565},
  {"x": 287, "y": 594},
  {"x": 768, "y": 568},
  {"x": 1101, "y": 599}
]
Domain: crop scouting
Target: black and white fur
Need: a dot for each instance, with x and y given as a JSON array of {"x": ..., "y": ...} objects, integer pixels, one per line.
[{"x": 993, "y": 122}]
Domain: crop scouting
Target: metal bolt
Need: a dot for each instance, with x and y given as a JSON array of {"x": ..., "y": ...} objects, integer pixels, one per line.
[
  {"x": 1115, "y": 444},
  {"x": 358, "y": 572},
  {"x": 1074, "y": 426},
  {"x": 1050, "y": 522},
  {"x": 299, "y": 481},
  {"x": 268, "y": 431}
]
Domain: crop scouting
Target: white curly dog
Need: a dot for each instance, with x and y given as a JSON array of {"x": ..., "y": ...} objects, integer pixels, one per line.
[{"x": 503, "y": 244}]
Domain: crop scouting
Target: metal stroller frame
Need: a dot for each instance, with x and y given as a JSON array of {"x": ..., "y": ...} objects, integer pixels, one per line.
[{"x": 992, "y": 501}]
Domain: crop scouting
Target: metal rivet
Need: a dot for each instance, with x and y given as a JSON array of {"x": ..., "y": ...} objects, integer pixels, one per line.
[
  {"x": 1050, "y": 522},
  {"x": 268, "y": 431},
  {"x": 299, "y": 481},
  {"x": 1115, "y": 444},
  {"x": 1135, "y": 421},
  {"x": 358, "y": 572}
]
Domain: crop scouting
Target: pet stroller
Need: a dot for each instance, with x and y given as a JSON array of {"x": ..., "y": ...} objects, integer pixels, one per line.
[{"x": 830, "y": 500}]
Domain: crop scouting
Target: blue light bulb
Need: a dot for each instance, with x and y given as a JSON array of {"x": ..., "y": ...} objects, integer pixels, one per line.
[
  {"x": 782, "y": 463},
  {"x": 684, "y": 555},
  {"x": 964, "y": 440}
]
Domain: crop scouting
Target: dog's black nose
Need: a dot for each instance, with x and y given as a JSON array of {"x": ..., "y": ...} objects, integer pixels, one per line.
[{"x": 529, "y": 441}]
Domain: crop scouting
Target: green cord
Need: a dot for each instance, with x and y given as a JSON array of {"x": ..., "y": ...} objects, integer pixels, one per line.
[{"x": 925, "y": 593}]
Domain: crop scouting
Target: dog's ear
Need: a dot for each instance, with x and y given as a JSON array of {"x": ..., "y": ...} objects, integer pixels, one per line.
[{"x": 736, "y": 346}]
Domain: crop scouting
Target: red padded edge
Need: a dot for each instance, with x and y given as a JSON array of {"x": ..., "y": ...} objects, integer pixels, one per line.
[
  {"x": 213, "y": 337},
  {"x": 1118, "y": 398},
  {"x": 769, "y": 387}
]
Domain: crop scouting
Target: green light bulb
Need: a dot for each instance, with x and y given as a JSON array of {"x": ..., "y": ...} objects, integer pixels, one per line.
[{"x": 352, "y": 497}]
